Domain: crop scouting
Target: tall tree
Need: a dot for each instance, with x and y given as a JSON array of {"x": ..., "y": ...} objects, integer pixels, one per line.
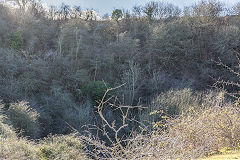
[
  {"x": 117, "y": 15},
  {"x": 65, "y": 11},
  {"x": 151, "y": 11}
]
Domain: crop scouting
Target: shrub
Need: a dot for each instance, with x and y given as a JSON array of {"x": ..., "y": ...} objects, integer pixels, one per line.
[
  {"x": 201, "y": 133},
  {"x": 176, "y": 102},
  {"x": 95, "y": 90},
  {"x": 191, "y": 136},
  {"x": 198, "y": 133},
  {"x": 21, "y": 149},
  {"x": 17, "y": 41},
  {"x": 61, "y": 147},
  {"x": 51, "y": 148},
  {"x": 60, "y": 110},
  {"x": 79, "y": 116},
  {"x": 5, "y": 130},
  {"x": 24, "y": 119}
]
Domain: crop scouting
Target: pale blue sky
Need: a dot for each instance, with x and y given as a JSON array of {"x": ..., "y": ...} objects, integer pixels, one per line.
[{"x": 106, "y": 6}]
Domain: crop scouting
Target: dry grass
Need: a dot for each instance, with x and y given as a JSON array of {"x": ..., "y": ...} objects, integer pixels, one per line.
[
  {"x": 14, "y": 148},
  {"x": 51, "y": 148},
  {"x": 232, "y": 155},
  {"x": 201, "y": 133},
  {"x": 61, "y": 148}
]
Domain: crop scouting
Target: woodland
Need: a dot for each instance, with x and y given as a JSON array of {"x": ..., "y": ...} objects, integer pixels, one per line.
[{"x": 154, "y": 82}]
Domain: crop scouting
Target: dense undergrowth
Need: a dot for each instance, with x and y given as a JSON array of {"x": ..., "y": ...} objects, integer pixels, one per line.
[
  {"x": 55, "y": 67},
  {"x": 203, "y": 131}
]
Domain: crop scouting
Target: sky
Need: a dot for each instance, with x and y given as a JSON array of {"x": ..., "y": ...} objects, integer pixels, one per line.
[{"x": 107, "y": 6}]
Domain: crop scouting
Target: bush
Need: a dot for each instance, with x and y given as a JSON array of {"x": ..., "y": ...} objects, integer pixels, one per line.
[
  {"x": 61, "y": 147},
  {"x": 21, "y": 149},
  {"x": 5, "y": 130},
  {"x": 79, "y": 116},
  {"x": 193, "y": 135},
  {"x": 17, "y": 41},
  {"x": 51, "y": 148},
  {"x": 202, "y": 133},
  {"x": 24, "y": 119},
  {"x": 198, "y": 133},
  {"x": 95, "y": 90},
  {"x": 176, "y": 102}
]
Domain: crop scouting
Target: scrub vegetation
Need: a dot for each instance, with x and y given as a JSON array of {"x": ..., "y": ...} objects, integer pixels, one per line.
[{"x": 154, "y": 82}]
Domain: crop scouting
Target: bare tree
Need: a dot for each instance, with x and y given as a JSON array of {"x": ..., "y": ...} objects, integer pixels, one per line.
[
  {"x": 65, "y": 11},
  {"x": 60, "y": 44},
  {"x": 223, "y": 84},
  {"x": 76, "y": 12},
  {"x": 22, "y": 3},
  {"x": 37, "y": 9},
  {"x": 78, "y": 41},
  {"x": 137, "y": 11},
  {"x": 207, "y": 10},
  {"x": 236, "y": 9},
  {"x": 52, "y": 12},
  {"x": 131, "y": 78},
  {"x": 117, "y": 15},
  {"x": 151, "y": 10}
]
